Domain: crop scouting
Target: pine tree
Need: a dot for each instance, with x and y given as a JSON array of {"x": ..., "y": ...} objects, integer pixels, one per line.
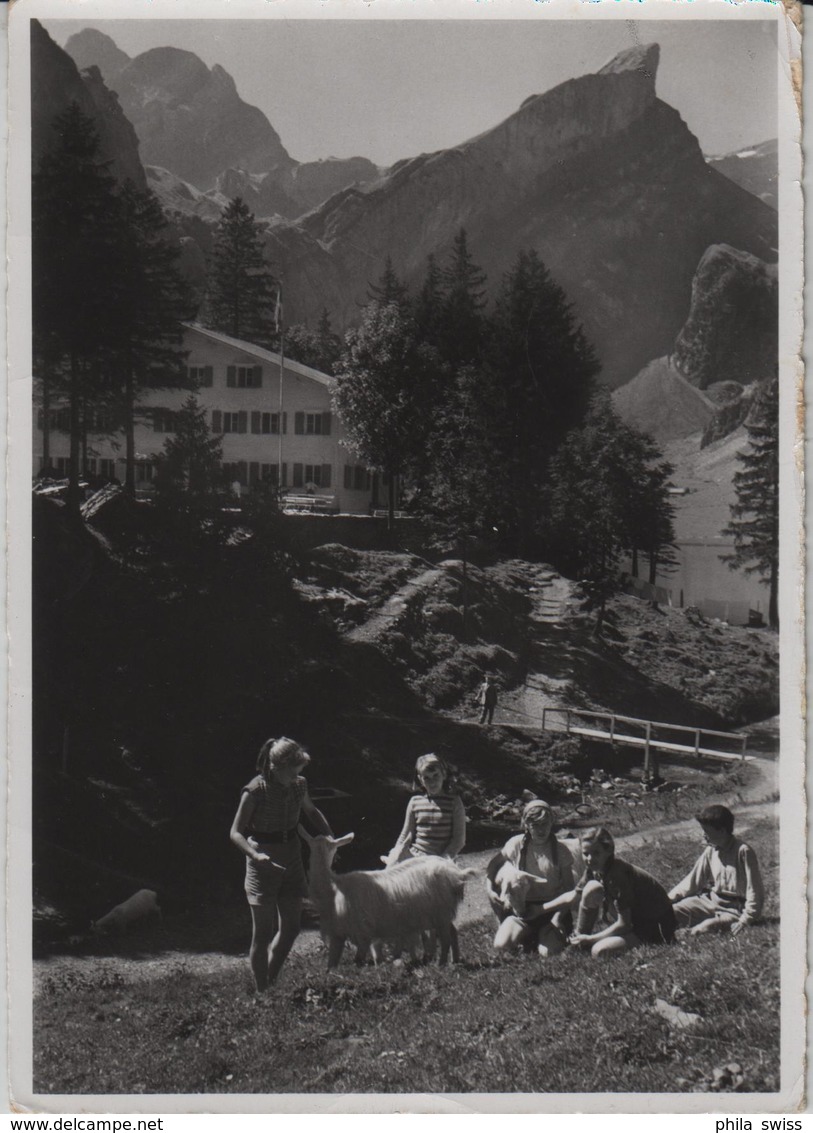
[
  {"x": 598, "y": 477},
  {"x": 151, "y": 303},
  {"x": 463, "y": 286},
  {"x": 754, "y": 525},
  {"x": 429, "y": 306},
  {"x": 380, "y": 392},
  {"x": 189, "y": 475},
  {"x": 241, "y": 286},
  {"x": 389, "y": 288},
  {"x": 320, "y": 348},
  {"x": 75, "y": 229}
]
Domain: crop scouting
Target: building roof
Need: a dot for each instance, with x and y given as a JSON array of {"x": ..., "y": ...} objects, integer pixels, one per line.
[{"x": 263, "y": 355}]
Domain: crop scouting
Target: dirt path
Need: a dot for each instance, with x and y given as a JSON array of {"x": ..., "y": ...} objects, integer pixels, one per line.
[{"x": 394, "y": 609}]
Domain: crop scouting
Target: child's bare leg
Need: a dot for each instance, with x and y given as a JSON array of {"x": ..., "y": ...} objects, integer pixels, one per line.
[
  {"x": 290, "y": 912},
  {"x": 511, "y": 935},
  {"x": 614, "y": 945},
  {"x": 589, "y": 907},
  {"x": 712, "y": 924},
  {"x": 264, "y": 923}
]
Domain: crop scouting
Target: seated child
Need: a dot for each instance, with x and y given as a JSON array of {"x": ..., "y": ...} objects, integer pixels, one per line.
[
  {"x": 549, "y": 862},
  {"x": 723, "y": 891},
  {"x": 635, "y": 908}
]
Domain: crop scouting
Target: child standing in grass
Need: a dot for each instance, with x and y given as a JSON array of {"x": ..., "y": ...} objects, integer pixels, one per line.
[
  {"x": 435, "y": 822},
  {"x": 264, "y": 828},
  {"x": 723, "y": 891},
  {"x": 538, "y": 852},
  {"x": 634, "y": 907}
]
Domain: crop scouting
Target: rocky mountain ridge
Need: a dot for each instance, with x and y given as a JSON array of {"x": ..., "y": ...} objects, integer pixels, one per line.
[
  {"x": 191, "y": 121},
  {"x": 600, "y": 176}
]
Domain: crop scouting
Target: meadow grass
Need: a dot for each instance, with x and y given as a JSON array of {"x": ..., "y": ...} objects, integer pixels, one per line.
[{"x": 490, "y": 1024}]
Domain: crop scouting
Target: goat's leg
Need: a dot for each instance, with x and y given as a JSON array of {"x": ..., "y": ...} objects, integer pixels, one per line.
[
  {"x": 445, "y": 937},
  {"x": 334, "y": 953},
  {"x": 455, "y": 943},
  {"x": 361, "y": 954}
]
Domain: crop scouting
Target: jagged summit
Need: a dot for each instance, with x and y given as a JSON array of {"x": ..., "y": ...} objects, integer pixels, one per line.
[{"x": 642, "y": 57}]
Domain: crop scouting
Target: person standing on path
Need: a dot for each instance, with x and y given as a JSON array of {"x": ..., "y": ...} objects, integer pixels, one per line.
[
  {"x": 487, "y": 699},
  {"x": 264, "y": 829}
]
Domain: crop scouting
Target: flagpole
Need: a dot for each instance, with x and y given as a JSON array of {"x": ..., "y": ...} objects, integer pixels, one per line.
[{"x": 281, "y": 331}]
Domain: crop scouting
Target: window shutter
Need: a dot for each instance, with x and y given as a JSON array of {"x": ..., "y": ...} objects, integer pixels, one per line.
[
  {"x": 253, "y": 472},
  {"x": 255, "y": 420},
  {"x": 217, "y": 425},
  {"x": 231, "y": 376},
  {"x": 326, "y": 424},
  {"x": 156, "y": 423},
  {"x": 326, "y": 475},
  {"x": 348, "y": 476},
  {"x": 298, "y": 481},
  {"x": 208, "y": 376},
  {"x": 242, "y": 421},
  {"x": 299, "y": 423},
  {"x": 284, "y": 474},
  {"x": 285, "y": 422},
  {"x": 242, "y": 471},
  {"x": 258, "y": 377}
]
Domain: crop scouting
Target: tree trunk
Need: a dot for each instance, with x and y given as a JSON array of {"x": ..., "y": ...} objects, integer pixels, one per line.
[
  {"x": 634, "y": 562},
  {"x": 129, "y": 434},
  {"x": 391, "y": 502},
  {"x": 773, "y": 601},
  {"x": 653, "y": 566},
  {"x": 73, "y": 500},
  {"x": 46, "y": 423}
]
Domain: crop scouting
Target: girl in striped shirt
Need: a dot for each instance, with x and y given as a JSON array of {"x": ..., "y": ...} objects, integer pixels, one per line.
[{"x": 435, "y": 822}]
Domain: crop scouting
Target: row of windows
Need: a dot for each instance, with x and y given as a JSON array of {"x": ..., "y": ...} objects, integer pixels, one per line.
[
  {"x": 237, "y": 377},
  {"x": 305, "y": 476},
  {"x": 305, "y": 424},
  {"x": 59, "y": 420}
]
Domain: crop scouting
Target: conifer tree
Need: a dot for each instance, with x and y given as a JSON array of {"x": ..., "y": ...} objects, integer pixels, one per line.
[
  {"x": 463, "y": 303},
  {"x": 754, "y": 525},
  {"x": 241, "y": 286},
  {"x": 75, "y": 228},
  {"x": 389, "y": 288},
  {"x": 189, "y": 470}
]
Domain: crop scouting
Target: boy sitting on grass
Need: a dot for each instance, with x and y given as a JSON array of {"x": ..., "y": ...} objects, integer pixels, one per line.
[{"x": 723, "y": 891}]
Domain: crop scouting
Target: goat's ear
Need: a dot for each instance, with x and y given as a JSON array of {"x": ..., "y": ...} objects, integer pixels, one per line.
[
  {"x": 344, "y": 840},
  {"x": 304, "y": 835}
]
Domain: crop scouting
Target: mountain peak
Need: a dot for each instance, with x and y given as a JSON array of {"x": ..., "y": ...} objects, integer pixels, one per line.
[{"x": 642, "y": 57}]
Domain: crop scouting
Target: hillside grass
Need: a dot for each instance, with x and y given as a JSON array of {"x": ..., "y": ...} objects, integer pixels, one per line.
[{"x": 491, "y": 1024}]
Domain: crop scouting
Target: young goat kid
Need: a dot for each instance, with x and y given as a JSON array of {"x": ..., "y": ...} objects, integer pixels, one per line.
[{"x": 382, "y": 905}]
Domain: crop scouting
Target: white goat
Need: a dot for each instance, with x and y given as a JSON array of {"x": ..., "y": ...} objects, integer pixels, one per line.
[
  {"x": 142, "y": 904},
  {"x": 382, "y": 905},
  {"x": 513, "y": 886}
]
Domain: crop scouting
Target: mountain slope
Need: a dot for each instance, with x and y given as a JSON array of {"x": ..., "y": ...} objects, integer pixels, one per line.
[
  {"x": 600, "y": 176},
  {"x": 661, "y": 402},
  {"x": 56, "y": 84},
  {"x": 754, "y": 169}
]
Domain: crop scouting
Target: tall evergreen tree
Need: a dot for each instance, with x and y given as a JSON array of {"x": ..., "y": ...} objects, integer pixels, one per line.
[
  {"x": 241, "y": 287},
  {"x": 463, "y": 303},
  {"x": 75, "y": 227},
  {"x": 189, "y": 470},
  {"x": 151, "y": 302},
  {"x": 320, "y": 348},
  {"x": 389, "y": 288},
  {"x": 754, "y": 525},
  {"x": 380, "y": 392},
  {"x": 598, "y": 476}
]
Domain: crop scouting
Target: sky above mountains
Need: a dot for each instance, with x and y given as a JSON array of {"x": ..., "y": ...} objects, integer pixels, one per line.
[{"x": 389, "y": 89}]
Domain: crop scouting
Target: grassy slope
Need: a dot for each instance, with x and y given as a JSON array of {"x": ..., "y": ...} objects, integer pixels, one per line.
[{"x": 493, "y": 1024}]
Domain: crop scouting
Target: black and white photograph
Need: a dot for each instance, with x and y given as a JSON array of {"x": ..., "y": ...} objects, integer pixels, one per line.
[{"x": 405, "y": 619}]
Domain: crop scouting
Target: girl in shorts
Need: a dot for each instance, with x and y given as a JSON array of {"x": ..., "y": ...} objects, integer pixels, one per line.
[{"x": 264, "y": 828}]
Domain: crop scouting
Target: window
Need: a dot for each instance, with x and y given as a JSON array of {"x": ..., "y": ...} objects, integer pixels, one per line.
[
  {"x": 59, "y": 420},
  {"x": 318, "y": 474},
  {"x": 91, "y": 466},
  {"x": 107, "y": 468},
  {"x": 236, "y": 470},
  {"x": 232, "y": 422},
  {"x": 267, "y": 422},
  {"x": 357, "y": 478},
  {"x": 244, "y": 377},
  {"x": 164, "y": 421},
  {"x": 312, "y": 424},
  {"x": 100, "y": 421},
  {"x": 63, "y": 465},
  {"x": 270, "y": 474},
  {"x": 144, "y": 470},
  {"x": 200, "y": 375}
]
